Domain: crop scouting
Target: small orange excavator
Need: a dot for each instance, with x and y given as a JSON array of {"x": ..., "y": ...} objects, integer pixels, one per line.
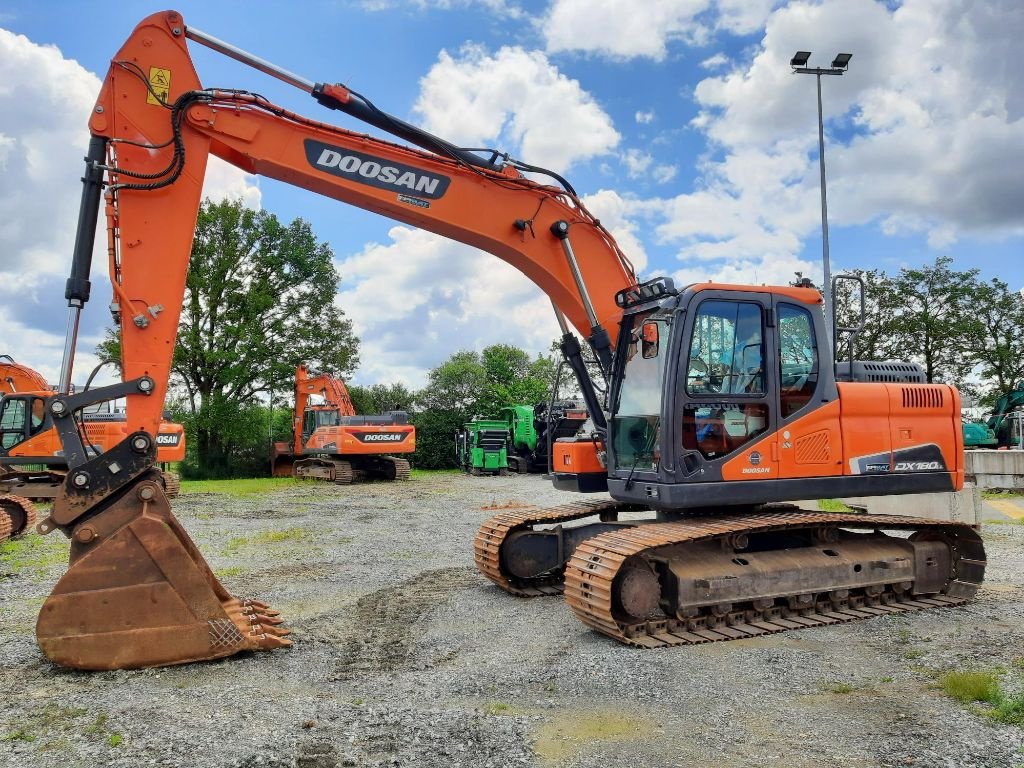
[
  {"x": 332, "y": 443},
  {"x": 28, "y": 439},
  {"x": 722, "y": 400}
]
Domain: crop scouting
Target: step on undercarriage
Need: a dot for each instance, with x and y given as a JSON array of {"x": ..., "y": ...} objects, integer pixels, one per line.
[
  {"x": 707, "y": 578},
  {"x": 346, "y": 471}
]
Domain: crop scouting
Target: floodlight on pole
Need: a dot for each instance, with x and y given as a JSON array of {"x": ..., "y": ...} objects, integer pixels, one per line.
[{"x": 839, "y": 65}]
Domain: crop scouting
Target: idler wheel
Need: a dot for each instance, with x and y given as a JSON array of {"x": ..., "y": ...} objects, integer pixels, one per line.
[{"x": 639, "y": 592}]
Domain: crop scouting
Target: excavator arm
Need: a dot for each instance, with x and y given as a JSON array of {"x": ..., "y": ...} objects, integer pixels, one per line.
[
  {"x": 157, "y": 126},
  {"x": 153, "y": 128}
]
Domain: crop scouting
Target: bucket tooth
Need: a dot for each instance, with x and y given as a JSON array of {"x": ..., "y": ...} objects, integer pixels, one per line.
[{"x": 139, "y": 594}]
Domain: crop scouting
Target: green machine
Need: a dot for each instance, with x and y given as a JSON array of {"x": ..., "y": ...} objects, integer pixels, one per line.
[
  {"x": 1001, "y": 421},
  {"x": 533, "y": 428},
  {"x": 977, "y": 434},
  {"x": 481, "y": 447}
]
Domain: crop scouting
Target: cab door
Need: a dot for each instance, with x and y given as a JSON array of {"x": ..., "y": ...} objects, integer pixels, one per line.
[
  {"x": 729, "y": 403},
  {"x": 809, "y": 435}
]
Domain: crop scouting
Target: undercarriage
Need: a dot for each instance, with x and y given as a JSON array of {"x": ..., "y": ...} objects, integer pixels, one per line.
[
  {"x": 350, "y": 469},
  {"x": 647, "y": 581}
]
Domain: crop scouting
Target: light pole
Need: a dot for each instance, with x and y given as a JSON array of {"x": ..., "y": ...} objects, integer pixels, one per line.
[{"x": 838, "y": 67}]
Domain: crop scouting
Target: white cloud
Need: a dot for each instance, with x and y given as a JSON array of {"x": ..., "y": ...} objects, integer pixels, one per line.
[
  {"x": 717, "y": 61},
  {"x": 518, "y": 100},
  {"x": 663, "y": 174},
  {"x": 643, "y": 118},
  {"x": 619, "y": 29},
  {"x": 419, "y": 298},
  {"x": 622, "y": 29},
  {"x": 636, "y": 162},
  {"x": 45, "y": 100}
]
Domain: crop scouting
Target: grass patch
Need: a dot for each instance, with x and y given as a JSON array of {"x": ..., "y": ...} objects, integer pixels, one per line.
[
  {"x": 265, "y": 537},
  {"x": 20, "y": 734},
  {"x": 833, "y": 505},
  {"x": 423, "y": 474},
  {"x": 497, "y": 708},
  {"x": 840, "y": 688},
  {"x": 984, "y": 688},
  {"x": 32, "y": 552},
  {"x": 567, "y": 732},
  {"x": 991, "y": 493},
  {"x": 249, "y": 486},
  {"x": 227, "y": 573},
  {"x": 913, "y": 653},
  {"x": 886, "y": 680},
  {"x": 115, "y": 739}
]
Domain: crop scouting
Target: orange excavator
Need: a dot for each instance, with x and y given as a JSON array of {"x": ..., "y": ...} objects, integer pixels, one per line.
[
  {"x": 27, "y": 437},
  {"x": 332, "y": 443},
  {"x": 721, "y": 399}
]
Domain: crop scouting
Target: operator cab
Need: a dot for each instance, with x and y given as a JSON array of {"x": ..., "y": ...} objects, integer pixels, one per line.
[
  {"x": 21, "y": 417},
  {"x": 700, "y": 377}
]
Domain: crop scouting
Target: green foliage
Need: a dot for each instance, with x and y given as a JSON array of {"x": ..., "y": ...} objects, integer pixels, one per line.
[
  {"x": 380, "y": 398},
  {"x": 833, "y": 505},
  {"x": 966, "y": 687},
  {"x": 259, "y": 299},
  {"x": 257, "y": 486},
  {"x": 435, "y": 438}
]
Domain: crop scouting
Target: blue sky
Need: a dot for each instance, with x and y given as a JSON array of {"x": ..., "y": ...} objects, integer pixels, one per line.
[{"x": 678, "y": 120}]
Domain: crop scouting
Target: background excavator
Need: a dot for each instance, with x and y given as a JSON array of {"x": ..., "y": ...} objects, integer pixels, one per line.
[
  {"x": 32, "y": 465},
  {"x": 720, "y": 398},
  {"x": 331, "y": 442},
  {"x": 999, "y": 421}
]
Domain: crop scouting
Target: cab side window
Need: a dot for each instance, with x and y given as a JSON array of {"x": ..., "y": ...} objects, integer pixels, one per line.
[
  {"x": 725, "y": 376},
  {"x": 798, "y": 359},
  {"x": 12, "y": 422},
  {"x": 726, "y": 352}
]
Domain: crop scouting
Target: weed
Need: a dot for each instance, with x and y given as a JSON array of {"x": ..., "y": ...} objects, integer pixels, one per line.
[
  {"x": 903, "y": 635},
  {"x": 358, "y": 702},
  {"x": 886, "y": 679},
  {"x": 989, "y": 493},
  {"x": 115, "y": 739},
  {"x": 966, "y": 687},
  {"x": 21, "y": 734},
  {"x": 226, "y": 573},
  {"x": 97, "y": 726},
  {"x": 840, "y": 688},
  {"x": 833, "y": 505},
  {"x": 265, "y": 537},
  {"x": 913, "y": 653},
  {"x": 497, "y": 708}
]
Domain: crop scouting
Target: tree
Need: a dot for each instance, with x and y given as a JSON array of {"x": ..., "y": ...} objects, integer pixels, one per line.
[
  {"x": 932, "y": 325},
  {"x": 379, "y": 398},
  {"x": 259, "y": 299},
  {"x": 995, "y": 336},
  {"x": 878, "y": 339}
]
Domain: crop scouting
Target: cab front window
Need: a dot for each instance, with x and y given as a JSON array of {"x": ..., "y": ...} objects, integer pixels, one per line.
[{"x": 636, "y": 425}]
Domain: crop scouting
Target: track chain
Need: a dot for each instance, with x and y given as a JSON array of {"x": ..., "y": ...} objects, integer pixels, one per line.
[
  {"x": 17, "y": 516},
  {"x": 494, "y": 531},
  {"x": 172, "y": 484},
  {"x": 342, "y": 472},
  {"x": 591, "y": 571},
  {"x": 402, "y": 468}
]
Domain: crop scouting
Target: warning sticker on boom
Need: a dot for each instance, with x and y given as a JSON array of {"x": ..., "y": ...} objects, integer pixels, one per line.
[{"x": 159, "y": 86}]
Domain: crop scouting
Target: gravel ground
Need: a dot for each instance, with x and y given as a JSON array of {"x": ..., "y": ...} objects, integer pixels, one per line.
[{"x": 405, "y": 656}]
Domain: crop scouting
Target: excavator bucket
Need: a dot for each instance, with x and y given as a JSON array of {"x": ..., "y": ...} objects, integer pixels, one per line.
[{"x": 139, "y": 594}]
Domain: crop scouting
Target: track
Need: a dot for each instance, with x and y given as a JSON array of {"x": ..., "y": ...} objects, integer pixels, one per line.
[
  {"x": 492, "y": 534},
  {"x": 17, "y": 516},
  {"x": 591, "y": 589},
  {"x": 172, "y": 484},
  {"x": 594, "y": 578}
]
